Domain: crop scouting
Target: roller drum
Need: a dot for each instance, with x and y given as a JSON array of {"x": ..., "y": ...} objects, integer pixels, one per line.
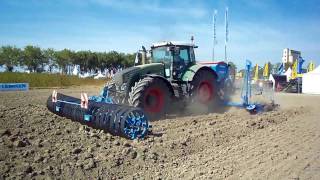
[{"x": 118, "y": 120}]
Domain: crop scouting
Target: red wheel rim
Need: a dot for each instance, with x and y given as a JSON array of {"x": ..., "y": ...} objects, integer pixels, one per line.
[
  {"x": 154, "y": 100},
  {"x": 205, "y": 92}
]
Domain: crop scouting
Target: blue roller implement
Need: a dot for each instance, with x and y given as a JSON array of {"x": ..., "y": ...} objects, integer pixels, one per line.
[{"x": 100, "y": 113}]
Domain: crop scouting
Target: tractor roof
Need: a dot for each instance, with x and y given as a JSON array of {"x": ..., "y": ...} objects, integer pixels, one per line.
[{"x": 172, "y": 43}]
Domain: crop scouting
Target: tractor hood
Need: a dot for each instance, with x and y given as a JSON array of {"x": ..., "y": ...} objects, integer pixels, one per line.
[{"x": 133, "y": 74}]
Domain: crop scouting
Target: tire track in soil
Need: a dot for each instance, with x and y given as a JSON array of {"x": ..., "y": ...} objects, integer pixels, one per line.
[
  {"x": 190, "y": 154},
  {"x": 280, "y": 160}
]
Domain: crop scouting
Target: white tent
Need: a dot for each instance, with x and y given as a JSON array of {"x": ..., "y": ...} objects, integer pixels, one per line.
[
  {"x": 76, "y": 70},
  {"x": 99, "y": 76},
  {"x": 311, "y": 82},
  {"x": 273, "y": 81},
  {"x": 288, "y": 73}
]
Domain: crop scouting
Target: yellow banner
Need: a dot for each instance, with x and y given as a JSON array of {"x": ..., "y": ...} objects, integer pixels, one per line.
[
  {"x": 256, "y": 73},
  {"x": 311, "y": 66},
  {"x": 294, "y": 73},
  {"x": 266, "y": 70}
]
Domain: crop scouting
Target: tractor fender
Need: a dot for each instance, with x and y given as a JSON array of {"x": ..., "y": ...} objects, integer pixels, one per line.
[
  {"x": 164, "y": 79},
  {"x": 192, "y": 71}
]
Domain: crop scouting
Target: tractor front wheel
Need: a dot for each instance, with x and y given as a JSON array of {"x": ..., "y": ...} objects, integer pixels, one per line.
[{"x": 152, "y": 95}]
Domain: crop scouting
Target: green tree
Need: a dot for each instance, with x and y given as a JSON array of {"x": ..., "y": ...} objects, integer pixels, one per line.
[
  {"x": 10, "y": 56},
  {"x": 64, "y": 58},
  {"x": 102, "y": 61},
  {"x": 92, "y": 61},
  {"x": 233, "y": 69},
  {"x": 232, "y": 65},
  {"x": 271, "y": 66},
  {"x": 51, "y": 59},
  {"x": 129, "y": 60},
  {"x": 36, "y": 58},
  {"x": 276, "y": 67},
  {"x": 81, "y": 59},
  {"x": 33, "y": 58},
  {"x": 114, "y": 58}
]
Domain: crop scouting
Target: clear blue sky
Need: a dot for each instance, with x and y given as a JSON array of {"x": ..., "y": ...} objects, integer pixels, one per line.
[{"x": 259, "y": 29}]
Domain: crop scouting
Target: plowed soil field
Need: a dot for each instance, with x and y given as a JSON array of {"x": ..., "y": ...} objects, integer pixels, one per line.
[{"x": 229, "y": 144}]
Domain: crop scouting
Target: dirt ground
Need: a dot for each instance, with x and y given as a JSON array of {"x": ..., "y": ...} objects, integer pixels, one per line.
[{"x": 230, "y": 144}]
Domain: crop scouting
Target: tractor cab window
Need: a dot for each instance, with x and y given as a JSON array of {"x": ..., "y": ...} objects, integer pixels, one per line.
[
  {"x": 161, "y": 55},
  {"x": 184, "y": 56}
]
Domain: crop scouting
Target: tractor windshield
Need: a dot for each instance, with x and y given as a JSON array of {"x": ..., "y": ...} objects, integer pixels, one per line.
[{"x": 162, "y": 55}]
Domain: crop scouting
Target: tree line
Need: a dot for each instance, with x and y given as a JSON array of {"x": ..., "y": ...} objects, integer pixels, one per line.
[{"x": 35, "y": 59}]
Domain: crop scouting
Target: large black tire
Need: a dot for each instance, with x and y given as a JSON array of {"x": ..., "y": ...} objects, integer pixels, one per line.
[
  {"x": 152, "y": 95},
  {"x": 204, "y": 89}
]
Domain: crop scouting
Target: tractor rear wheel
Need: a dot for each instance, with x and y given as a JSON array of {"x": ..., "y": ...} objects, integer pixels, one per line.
[
  {"x": 204, "y": 88},
  {"x": 152, "y": 95}
]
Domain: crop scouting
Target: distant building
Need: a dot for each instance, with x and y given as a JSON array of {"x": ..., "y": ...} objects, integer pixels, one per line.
[{"x": 289, "y": 56}]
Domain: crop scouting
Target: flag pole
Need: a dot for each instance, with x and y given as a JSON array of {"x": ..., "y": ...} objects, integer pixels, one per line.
[
  {"x": 214, "y": 33},
  {"x": 227, "y": 34}
]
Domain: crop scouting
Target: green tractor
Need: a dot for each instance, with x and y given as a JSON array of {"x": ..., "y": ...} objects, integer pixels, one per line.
[{"x": 169, "y": 78}]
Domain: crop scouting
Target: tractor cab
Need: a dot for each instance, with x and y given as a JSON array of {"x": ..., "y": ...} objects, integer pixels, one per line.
[{"x": 175, "y": 56}]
